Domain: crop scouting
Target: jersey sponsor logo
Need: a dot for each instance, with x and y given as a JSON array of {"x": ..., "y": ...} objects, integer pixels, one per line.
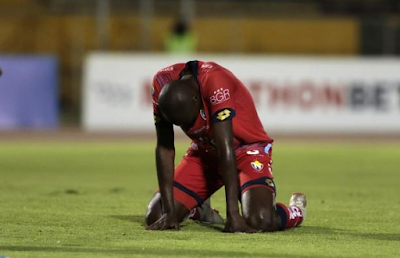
[
  {"x": 257, "y": 165},
  {"x": 223, "y": 114},
  {"x": 221, "y": 95}
]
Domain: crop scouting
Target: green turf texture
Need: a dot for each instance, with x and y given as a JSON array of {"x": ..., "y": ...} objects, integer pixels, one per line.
[{"x": 89, "y": 200}]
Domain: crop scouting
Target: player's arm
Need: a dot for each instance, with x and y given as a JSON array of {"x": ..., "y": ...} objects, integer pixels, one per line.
[
  {"x": 165, "y": 156},
  {"x": 223, "y": 137}
]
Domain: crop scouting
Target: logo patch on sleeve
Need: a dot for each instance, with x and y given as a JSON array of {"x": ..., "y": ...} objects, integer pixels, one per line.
[{"x": 224, "y": 114}]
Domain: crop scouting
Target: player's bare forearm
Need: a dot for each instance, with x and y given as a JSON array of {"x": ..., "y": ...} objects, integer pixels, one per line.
[
  {"x": 165, "y": 174},
  {"x": 229, "y": 176},
  {"x": 223, "y": 137},
  {"x": 226, "y": 156},
  {"x": 165, "y": 157}
]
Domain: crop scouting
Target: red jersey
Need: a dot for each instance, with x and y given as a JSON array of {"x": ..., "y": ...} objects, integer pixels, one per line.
[{"x": 224, "y": 97}]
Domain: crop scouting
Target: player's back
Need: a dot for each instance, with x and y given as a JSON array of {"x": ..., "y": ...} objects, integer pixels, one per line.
[{"x": 223, "y": 92}]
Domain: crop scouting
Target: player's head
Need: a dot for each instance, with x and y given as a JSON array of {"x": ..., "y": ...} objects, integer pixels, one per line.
[{"x": 180, "y": 101}]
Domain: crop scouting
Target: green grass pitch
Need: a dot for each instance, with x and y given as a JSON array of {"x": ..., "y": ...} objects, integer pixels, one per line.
[{"x": 89, "y": 199}]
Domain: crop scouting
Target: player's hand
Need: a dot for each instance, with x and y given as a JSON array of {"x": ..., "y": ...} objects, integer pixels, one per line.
[
  {"x": 166, "y": 221},
  {"x": 236, "y": 224}
]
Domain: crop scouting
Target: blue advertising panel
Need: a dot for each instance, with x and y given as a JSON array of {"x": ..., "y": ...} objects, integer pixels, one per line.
[{"x": 28, "y": 92}]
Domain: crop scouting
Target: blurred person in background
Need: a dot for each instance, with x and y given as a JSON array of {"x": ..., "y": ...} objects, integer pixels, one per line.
[{"x": 181, "y": 40}]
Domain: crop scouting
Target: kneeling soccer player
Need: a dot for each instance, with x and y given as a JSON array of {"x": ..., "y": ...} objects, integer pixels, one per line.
[{"x": 229, "y": 147}]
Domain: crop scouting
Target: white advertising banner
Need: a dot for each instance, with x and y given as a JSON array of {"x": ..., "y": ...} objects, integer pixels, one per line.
[{"x": 292, "y": 94}]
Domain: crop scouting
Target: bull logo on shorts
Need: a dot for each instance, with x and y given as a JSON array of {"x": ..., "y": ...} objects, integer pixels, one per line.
[{"x": 257, "y": 165}]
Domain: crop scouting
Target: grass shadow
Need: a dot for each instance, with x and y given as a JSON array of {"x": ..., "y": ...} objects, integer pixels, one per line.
[
  {"x": 215, "y": 227},
  {"x": 303, "y": 230},
  {"x": 378, "y": 236},
  {"x": 131, "y": 218},
  {"x": 139, "y": 219},
  {"x": 320, "y": 230},
  {"x": 336, "y": 231},
  {"x": 133, "y": 251}
]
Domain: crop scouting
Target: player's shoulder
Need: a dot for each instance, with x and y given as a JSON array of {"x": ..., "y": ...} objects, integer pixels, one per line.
[
  {"x": 214, "y": 75},
  {"x": 207, "y": 67},
  {"x": 167, "y": 74},
  {"x": 212, "y": 70},
  {"x": 171, "y": 68}
]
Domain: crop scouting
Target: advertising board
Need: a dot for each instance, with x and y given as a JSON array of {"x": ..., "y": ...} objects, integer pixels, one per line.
[
  {"x": 28, "y": 92},
  {"x": 292, "y": 94}
]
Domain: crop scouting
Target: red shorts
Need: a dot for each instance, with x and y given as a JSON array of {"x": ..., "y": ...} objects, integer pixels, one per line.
[{"x": 197, "y": 176}]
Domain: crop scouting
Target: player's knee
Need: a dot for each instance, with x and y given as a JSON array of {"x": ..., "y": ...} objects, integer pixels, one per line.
[
  {"x": 154, "y": 209},
  {"x": 259, "y": 223},
  {"x": 263, "y": 221}
]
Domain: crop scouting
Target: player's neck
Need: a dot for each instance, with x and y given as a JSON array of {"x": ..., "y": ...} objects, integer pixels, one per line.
[{"x": 191, "y": 80}]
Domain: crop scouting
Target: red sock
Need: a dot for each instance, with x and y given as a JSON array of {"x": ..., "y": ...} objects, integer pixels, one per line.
[{"x": 291, "y": 216}]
